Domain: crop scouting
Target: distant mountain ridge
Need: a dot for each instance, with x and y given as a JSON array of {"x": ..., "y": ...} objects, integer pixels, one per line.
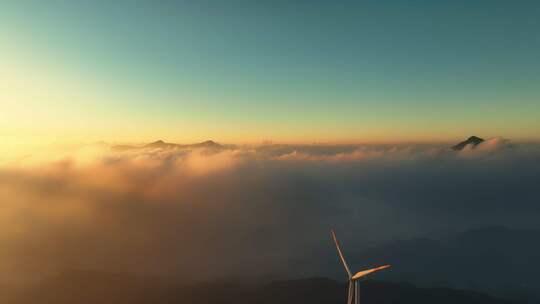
[
  {"x": 85, "y": 287},
  {"x": 473, "y": 141},
  {"x": 160, "y": 144},
  {"x": 496, "y": 260}
]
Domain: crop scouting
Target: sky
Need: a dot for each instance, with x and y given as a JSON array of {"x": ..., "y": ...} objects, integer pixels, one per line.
[
  {"x": 281, "y": 71},
  {"x": 388, "y": 86}
]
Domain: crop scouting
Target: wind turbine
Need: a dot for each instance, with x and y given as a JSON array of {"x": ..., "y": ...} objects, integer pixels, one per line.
[{"x": 354, "y": 288}]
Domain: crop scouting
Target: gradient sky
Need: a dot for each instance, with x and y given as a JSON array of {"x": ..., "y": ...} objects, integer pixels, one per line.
[{"x": 287, "y": 71}]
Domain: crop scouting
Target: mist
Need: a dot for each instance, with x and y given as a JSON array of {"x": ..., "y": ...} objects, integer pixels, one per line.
[{"x": 249, "y": 211}]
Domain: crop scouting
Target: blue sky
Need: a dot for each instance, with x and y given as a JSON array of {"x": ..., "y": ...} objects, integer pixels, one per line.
[{"x": 291, "y": 71}]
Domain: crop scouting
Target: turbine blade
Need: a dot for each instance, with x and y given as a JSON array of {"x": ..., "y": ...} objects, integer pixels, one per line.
[
  {"x": 366, "y": 272},
  {"x": 341, "y": 254},
  {"x": 351, "y": 293}
]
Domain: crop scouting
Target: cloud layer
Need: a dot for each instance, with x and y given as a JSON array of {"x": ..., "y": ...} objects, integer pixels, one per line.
[{"x": 203, "y": 213}]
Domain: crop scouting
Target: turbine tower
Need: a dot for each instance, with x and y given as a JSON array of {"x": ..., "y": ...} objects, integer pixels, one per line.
[{"x": 354, "y": 288}]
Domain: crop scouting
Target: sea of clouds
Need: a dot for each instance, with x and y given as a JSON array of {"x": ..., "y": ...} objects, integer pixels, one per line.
[{"x": 248, "y": 210}]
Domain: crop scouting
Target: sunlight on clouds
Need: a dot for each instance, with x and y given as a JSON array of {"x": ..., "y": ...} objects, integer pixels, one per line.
[{"x": 93, "y": 207}]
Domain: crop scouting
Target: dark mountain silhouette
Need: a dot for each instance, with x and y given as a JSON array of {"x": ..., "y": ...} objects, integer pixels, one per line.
[
  {"x": 104, "y": 288},
  {"x": 160, "y": 144},
  {"x": 473, "y": 140},
  {"x": 322, "y": 290},
  {"x": 495, "y": 260},
  {"x": 207, "y": 144}
]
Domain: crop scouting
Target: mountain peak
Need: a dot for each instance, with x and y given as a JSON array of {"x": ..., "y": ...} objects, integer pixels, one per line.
[
  {"x": 208, "y": 144},
  {"x": 159, "y": 144},
  {"x": 473, "y": 140}
]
